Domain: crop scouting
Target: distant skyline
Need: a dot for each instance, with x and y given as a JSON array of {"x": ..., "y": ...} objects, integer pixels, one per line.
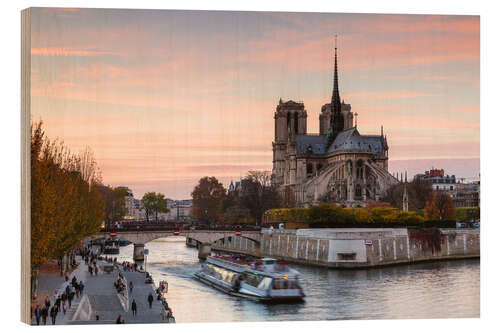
[{"x": 166, "y": 97}]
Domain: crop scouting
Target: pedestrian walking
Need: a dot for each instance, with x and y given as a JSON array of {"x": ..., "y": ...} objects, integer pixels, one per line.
[
  {"x": 70, "y": 298},
  {"x": 97, "y": 316},
  {"x": 64, "y": 308},
  {"x": 81, "y": 287},
  {"x": 134, "y": 308},
  {"x": 47, "y": 302},
  {"x": 150, "y": 300},
  {"x": 38, "y": 314},
  {"x": 53, "y": 314},
  {"x": 58, "y": 302},
  {"x": 45, "y": 314},
  {"x": 131, "y": 286}
]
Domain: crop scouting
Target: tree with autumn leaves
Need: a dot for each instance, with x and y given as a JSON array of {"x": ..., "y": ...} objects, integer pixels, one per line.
[
  {"x": 207, "y": 198},
  {"x": 66, "y": 204},
  {"x": 439, "y": 207}
]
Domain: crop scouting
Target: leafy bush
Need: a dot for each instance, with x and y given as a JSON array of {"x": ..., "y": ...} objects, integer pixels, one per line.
[{"x": 331, "y": 215}]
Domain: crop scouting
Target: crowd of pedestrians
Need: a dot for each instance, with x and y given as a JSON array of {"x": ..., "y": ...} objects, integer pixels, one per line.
[{"x": 59, "y": 302}]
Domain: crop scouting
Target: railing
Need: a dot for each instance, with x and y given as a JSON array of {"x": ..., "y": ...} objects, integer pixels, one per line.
[{"x": 177, "y": 226}]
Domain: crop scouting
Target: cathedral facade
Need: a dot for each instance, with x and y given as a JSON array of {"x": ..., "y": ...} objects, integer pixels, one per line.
[{"x": 337, "y": 165}]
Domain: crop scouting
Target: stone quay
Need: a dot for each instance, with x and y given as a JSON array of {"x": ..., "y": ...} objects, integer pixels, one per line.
[{"x": 356, "y": 248}]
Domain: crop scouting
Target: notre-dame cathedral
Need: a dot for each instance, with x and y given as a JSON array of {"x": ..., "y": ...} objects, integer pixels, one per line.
[{"x": 337, "y": 165}]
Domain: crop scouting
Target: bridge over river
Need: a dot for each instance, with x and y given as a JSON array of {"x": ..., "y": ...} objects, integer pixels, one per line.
[{"x": 203, "y": 238}]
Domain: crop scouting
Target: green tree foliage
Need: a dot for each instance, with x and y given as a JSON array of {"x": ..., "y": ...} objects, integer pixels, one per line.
[
  {"x": 207, "y": 199},
  {"x": 331, "y": 215},
  {"x": 257, "y": 194},
  {"x": 467, "y": 213},
  {"x": 154, "y": 203},
  {"x": 66, "y": 204}
]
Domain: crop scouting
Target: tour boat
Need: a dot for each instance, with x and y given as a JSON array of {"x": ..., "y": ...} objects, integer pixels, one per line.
[
  {"x": 264, "y": 279},
  {"x": 111, "y": 249}
]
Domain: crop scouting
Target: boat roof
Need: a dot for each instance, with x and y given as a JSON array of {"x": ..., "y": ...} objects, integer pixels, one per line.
[{"x": 241, "y": 267}]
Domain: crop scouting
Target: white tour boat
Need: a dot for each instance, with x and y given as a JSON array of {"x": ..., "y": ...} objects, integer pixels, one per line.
[{"x": 262, "y": 279}]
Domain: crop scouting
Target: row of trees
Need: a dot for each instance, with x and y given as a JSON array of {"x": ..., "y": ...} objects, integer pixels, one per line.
[
  {"x": 66, "y": 201},
  {"x": 256, "y": 198},
  {"x": 247, "y": 204},
  {"x": 331, "y": 215}
]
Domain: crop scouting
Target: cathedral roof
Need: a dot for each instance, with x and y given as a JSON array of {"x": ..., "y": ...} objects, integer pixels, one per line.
[
  {"x": 350, "y": 139},
  {"x": 317, "y": 144}
]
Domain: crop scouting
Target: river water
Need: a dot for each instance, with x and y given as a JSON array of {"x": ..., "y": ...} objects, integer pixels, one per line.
[{"x": 443, "y": 289}]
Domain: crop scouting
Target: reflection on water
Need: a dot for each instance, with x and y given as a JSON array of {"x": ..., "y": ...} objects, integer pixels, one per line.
[{"x": 444, "y": 289}]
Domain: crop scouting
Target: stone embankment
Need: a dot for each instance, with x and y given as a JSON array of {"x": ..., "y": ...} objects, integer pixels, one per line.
[{"x": 352, "y": 248}]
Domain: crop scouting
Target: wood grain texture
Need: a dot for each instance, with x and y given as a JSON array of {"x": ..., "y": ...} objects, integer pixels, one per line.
[{"x": 25, "y": 166}]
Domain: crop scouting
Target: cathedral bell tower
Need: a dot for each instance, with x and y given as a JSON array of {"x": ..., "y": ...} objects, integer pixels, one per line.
[{"x": 290, "y": 120}]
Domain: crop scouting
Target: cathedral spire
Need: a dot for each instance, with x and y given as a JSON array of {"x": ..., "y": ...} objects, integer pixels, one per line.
[
  {"x": 336, "y": 120},
  {"x": 335, "y": 94}
]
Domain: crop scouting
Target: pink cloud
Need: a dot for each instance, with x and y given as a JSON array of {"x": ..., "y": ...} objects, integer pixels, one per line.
[
  {"x": 387, "y": 95},
  {"x": 427, "y": 23},
  {"x": 58, "y": 51}
]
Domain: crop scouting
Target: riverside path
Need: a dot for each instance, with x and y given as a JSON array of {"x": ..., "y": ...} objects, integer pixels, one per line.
[{"x": 101, "y": 296}]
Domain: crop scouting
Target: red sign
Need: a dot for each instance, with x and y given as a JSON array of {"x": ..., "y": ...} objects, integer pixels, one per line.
[
  {"x": 112, "y": 234},
  {"x": 176, "y": 232},
  {"x": 238, "y": 232}
]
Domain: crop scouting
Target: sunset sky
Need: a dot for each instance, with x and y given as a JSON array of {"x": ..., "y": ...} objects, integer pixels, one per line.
[{"x": 166, "y": 97}]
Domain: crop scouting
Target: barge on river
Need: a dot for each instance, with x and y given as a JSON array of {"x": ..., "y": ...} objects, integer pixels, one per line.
[{"x": 263, "y": 280}]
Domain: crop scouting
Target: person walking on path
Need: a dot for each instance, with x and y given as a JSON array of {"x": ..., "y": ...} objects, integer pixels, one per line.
[
  {"x": 38, "y": 314},
  {"x": 81, "y": 287},
  {"x": 131, "y": 285},
  {"x": 70, "y": 298},
  {"x": 53, "y": 314},
  {"x": 64, "y": 297},
  {"x": 134, "y": 308},
  {"x": 97, "y": 316},
  {"x": 150, "y": 300},
  {"x": 64, "y": 308},
  {"x": 47, "y": 302},
  {"x": 45, "y": 313},
  {"x": 58, "y": 302}
]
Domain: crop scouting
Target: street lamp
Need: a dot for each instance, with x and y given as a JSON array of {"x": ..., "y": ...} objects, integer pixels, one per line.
[{"x": 146, "y": 252}]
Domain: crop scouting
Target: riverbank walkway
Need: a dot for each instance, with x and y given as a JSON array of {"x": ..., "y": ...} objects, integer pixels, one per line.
[{"x": 103, "y": 298}]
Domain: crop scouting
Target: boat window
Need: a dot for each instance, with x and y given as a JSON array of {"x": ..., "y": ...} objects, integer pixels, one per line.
[
  {"x": 265, "y": 283},
  {"x": 219, "y": 273},
  {"x": 285, "y": 284},
  {"x": 253, "y": 279}
]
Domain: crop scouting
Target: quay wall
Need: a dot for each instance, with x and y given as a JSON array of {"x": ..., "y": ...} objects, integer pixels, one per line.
[{"x": 352, "y": 248}]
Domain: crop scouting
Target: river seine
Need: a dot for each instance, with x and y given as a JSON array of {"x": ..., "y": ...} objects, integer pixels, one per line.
[{"x": 443, "y": 289}]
